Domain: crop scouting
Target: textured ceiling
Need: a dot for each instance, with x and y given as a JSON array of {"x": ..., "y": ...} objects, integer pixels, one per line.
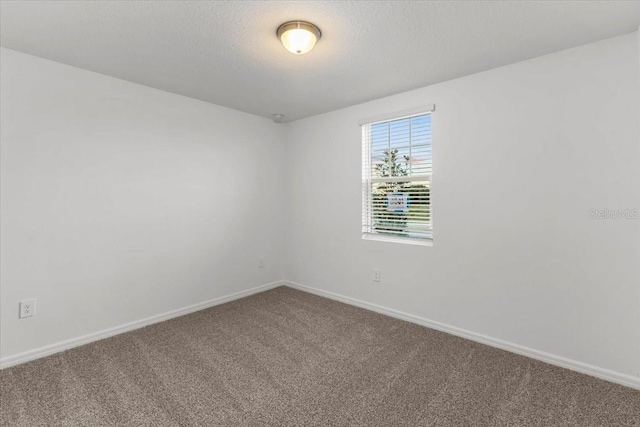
[{"x": 227, "y": 52}]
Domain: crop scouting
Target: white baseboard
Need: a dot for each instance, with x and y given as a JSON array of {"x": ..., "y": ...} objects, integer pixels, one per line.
[
  {"x": 605, "y": 374},
  {"x": 37, "y": 353}
]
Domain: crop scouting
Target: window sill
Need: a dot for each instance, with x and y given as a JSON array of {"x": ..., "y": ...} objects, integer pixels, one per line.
[{"x": 395, "y": 239}]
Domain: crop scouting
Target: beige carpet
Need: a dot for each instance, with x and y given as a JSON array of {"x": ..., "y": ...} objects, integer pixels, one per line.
[{"x": 287, "y": 358}]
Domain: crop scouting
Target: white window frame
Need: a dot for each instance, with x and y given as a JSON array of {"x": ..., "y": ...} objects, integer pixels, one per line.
[{"x": 368, "y": 180}]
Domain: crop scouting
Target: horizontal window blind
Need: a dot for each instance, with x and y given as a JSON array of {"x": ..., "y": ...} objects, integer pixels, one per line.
[{"x": 396, "y": 177}]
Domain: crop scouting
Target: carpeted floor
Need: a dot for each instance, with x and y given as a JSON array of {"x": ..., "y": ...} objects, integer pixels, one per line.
[{"x": 287, "y": 358}]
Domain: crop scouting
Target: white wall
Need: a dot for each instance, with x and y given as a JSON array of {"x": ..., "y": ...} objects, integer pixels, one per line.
[
  {"x": 521, "y": 155},
  {"x": 121, "y": 202}
]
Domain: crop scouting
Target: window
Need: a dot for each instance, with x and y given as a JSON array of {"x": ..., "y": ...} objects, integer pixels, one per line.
[{"x": 396, "y": 177}]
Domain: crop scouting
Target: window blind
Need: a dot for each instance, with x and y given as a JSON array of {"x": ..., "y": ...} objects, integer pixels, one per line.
[{"x": 396, "y": 177}]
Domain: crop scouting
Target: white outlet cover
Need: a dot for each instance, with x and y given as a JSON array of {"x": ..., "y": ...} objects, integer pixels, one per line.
[
  {"x": 27, "y": 308},
  {"x": 376, "y": 275},
  {"x": 261, "y": 262}
]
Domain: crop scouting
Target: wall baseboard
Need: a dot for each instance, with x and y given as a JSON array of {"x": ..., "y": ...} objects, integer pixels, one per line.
[
  {"x": 58, "y": 347},
  {"x": 605, "y": 374},
  {"x": 584, "y": 368}
]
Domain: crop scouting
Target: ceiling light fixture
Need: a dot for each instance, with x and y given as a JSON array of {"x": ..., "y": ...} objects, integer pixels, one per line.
[{"x": 298, "y": 37}]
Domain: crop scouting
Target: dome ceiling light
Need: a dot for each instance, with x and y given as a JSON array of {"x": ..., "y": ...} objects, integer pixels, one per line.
[{"x": 298, "y": 37}]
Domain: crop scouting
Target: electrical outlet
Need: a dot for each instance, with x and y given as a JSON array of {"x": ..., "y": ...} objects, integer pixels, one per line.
[
  {"x": 260, "y": 262},
  {"x": 376, "y": 275},
  {"x": 27, "y": 308}
]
